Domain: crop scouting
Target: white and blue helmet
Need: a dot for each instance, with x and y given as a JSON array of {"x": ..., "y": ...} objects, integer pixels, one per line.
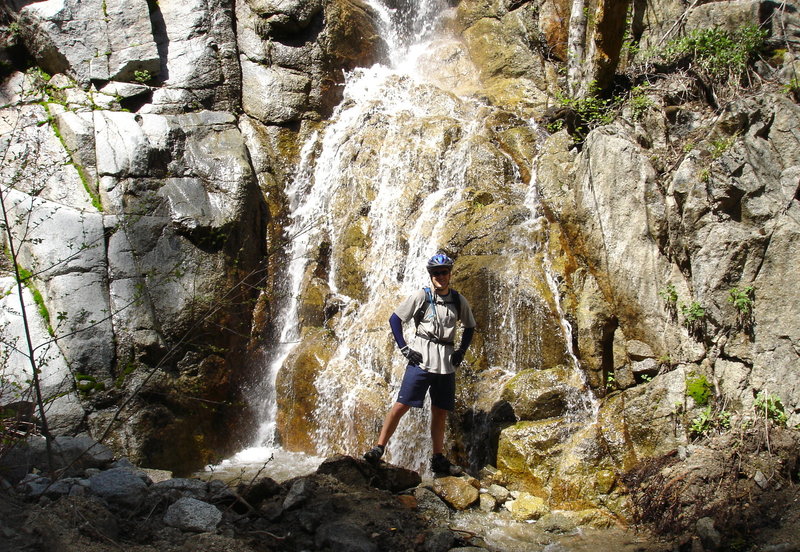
[{"x": 440, "y": 260}]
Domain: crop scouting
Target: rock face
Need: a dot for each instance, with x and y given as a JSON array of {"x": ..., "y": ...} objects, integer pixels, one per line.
[
  {"x": 619, "y": 269},
  {"x": 140, "y": 242}
]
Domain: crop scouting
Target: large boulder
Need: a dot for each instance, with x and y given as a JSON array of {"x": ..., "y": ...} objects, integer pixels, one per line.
[
  {"x": 95, "y": 40},
  {"x": 298, "y": 51}
]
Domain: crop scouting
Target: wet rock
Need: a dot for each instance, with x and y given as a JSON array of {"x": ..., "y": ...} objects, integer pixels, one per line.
[
  {"x": 529, "y": 452},
  {"x": 438, "y": 540},
  {"x": 408, "y": 501},
  {"x": 500, "y": 493},
  {"x": 190, "y": 514},
  {"x": 344, "y": 536},
  {"x": 527, "y": 506},
  {"x": 487, "y": 503},
  {"x": 355, "y": 471},
  {"x": 430, "y": 503},
  {"x": 297, "y": 395},
  {"x": 539, "y": 394},
  {"x": 457, "y": 492},
  {"x": 556, "y": 522},
  {"x": 264, "y": 488}
]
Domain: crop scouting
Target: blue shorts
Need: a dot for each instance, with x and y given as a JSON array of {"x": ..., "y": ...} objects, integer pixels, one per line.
[{"x": 416, "y": 383}]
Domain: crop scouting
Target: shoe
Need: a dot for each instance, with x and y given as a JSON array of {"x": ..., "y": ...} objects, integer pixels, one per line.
[
  {"x": 374, "y": 454},
  {"x": 442, "y": 466}
]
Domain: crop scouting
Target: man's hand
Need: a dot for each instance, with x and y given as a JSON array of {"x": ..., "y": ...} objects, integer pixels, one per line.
[
  {"x": 414, "y": 357},
  {"x": 457, "y": 357}
]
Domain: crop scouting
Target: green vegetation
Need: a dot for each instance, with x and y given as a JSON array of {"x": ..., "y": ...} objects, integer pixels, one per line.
[
  {"x": 86, "y": 383},
  {"x": 592, "y": 111},
  {"x": 698, "y": 388},
  {"x": 126, "y": 371},
  {"x": 721, "y": 145},
  {"x": 709, "y": 419},
  {"x": 26, "y": 278},
  {"x": 771, "y": 408},
  {"x": 144, "y": 76},
  {"x": 702, "y": 423},
  {"x": 793, "y": 88},
  {"x": 669, "y": 295},
  {"x": 742, "y": 299},
  {"x": 693, "y": 315},
  {"x": 639, "y": 101},
  {"x": 96, "y": 202},
  {"x": 716, "y": 52}
]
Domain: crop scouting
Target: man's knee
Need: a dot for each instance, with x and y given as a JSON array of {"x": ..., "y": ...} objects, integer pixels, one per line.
[{"x": 399, "y": 409}]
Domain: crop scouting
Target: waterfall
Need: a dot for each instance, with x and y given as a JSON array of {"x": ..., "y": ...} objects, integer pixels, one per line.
[{"x": 378, "y": 187}]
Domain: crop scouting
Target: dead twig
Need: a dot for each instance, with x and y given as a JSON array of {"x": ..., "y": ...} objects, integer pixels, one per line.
[{"x": 273, "y": 535}]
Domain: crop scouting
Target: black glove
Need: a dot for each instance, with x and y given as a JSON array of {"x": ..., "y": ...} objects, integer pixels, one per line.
[
  {"x": 457, "y": 357},
  {"x": 413, "y": 356}
]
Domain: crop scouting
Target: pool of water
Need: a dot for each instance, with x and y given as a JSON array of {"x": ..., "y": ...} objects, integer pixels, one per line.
[{"x": 259, "y": 462}]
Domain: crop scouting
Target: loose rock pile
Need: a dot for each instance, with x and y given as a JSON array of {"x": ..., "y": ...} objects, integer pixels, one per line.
[{"x": 97, "y": 503}]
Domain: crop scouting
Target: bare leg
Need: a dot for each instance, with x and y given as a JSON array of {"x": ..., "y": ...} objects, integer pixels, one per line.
[
  {"x": 438, "y": 420},
  {"x": 397, "y": 411}
]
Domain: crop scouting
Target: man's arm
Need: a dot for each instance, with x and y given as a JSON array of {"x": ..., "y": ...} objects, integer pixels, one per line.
[
  {"x": 397, "y": 330},
  {"x": 466, "y": 339},
  {"x": 414, "y": 357}
]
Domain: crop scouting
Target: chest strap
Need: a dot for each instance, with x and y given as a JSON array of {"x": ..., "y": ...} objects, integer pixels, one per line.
[{"x": 436, "y": 340}]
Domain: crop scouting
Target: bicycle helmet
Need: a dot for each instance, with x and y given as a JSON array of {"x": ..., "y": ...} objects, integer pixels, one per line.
[{"x": 440, "y": 260}]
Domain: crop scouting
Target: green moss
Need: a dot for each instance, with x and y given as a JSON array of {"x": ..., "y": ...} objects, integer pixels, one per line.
[
  {"x": 96, "y": 202},
  {"x": 26, "y": 278},
  {"x": 86, "y": 383},
  {"x": 127, "y": 370},
  {"x": 698, "y": 388}
]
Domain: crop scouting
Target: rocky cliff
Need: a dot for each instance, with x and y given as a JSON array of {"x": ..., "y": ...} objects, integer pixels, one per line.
[{"x": 625, "y": 228}]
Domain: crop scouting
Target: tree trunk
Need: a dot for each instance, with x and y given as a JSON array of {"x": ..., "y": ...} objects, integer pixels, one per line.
[{"x": 576, "y": 50}]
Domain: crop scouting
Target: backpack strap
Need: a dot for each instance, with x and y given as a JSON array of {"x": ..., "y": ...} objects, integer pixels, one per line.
[
  {"x": 429, "y": 301},
  {"x": 457, "y": 301},
  {"x": 421, "y": 311}
]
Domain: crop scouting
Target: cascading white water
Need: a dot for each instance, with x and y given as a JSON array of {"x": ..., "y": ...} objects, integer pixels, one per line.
[
  {"x": 383, "y": 89},
  {"x": 391, "y": 164}
]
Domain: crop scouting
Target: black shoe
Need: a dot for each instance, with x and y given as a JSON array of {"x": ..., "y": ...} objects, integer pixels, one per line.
[
  {"x": 442, "y": 466},
  {"x": 374, "y": 454}
]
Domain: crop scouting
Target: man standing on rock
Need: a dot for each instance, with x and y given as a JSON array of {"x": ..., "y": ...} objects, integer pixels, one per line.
[{"x": 432, "y": 358}]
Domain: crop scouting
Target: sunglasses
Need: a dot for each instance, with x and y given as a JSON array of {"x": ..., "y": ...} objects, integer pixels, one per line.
[{"x": 439, "y": 272}]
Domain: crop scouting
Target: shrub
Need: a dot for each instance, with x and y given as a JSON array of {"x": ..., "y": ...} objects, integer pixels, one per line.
[
  {"x": 693, "y": 315},
  {"x": 592, "y": 110},
  {"x": 771, "y": 407},
  {"x": 742, "y": 299},
  {"x": 639, "y": 101},
  {"x": 716, "y": 52}
]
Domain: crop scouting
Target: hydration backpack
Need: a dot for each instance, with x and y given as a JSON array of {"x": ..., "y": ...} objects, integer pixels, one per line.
[{"x": 430, "y": 302}]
